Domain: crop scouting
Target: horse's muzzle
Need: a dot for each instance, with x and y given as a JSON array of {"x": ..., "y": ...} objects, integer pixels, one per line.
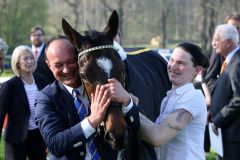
[{"x": 116, "y": 142}]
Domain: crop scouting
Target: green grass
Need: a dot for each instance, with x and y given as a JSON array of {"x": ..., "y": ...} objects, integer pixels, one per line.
[
  {"x": 211, "y": 156},
  {"x": 1, "y": 150},
  {"x": 7, "y": 73}
]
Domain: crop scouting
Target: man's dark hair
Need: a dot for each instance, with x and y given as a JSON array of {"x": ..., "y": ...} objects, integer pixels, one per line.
[
  {"x": 234, "y": 16},
  {"x": 34, "y": 29}
]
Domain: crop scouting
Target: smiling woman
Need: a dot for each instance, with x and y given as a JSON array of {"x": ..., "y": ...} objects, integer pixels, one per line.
[
  {"x": 17, "y": 96},
  {"x": 183, "y": 110}
]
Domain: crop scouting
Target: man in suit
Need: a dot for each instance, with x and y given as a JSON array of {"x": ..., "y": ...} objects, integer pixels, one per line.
[
  {"x": 225, "y": 106},
  {"x": 38, "y": 48},
  {"x": 217, "y": 59},
  {"x": 64, "y": 133},
  {"x": 210, "y": 75}
]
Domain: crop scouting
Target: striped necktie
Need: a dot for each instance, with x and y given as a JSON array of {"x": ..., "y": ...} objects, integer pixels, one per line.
[{"x": 82, "y": 112}]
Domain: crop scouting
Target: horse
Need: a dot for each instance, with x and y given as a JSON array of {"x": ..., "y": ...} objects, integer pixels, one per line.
[{"x": 144, "y": 75}]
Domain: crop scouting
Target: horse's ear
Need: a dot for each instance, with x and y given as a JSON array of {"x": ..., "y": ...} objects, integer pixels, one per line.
[
  {"x": 112, "y": 26},
  {"x": 72, "y": 34}
]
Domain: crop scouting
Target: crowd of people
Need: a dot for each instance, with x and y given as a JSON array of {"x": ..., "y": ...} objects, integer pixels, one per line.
[{"x": 40, "y": 101}]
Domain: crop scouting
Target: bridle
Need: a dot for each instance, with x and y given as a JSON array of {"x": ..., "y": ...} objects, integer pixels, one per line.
[
  {"x": 80, "y": 54},
  {"x": 100, "y": 128},
  {"x": 94, "y": 49}
]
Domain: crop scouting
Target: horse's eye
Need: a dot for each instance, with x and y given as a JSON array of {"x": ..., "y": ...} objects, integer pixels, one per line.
[{"x": 83, "y": 61}]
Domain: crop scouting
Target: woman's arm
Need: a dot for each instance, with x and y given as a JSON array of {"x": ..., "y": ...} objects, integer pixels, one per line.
[{"x": 158, "y": 135}]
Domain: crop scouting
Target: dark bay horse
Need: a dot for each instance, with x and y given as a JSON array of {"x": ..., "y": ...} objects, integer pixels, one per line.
[{"x": 144, "y": 75}]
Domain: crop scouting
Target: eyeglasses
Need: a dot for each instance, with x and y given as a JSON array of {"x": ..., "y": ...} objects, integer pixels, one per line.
[{"x": 36, "y": 35}]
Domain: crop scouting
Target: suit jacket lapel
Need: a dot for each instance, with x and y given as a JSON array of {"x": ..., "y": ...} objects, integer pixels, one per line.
[
  {"x": 227, "y": 69},
  {"x": 68, "y": 101},
  {"x": 21, "y": 92},
  {"x": 39, "y": 82},
  {"x": 42, "y": 54},
  {"x": 232, "y": 59}
]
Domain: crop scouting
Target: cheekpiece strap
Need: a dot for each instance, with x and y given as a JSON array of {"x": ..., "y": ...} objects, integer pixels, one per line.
[{"x": 95, "y": 48}]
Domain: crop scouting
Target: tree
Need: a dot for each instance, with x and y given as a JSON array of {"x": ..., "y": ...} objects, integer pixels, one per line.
[
  {"x": 165, "y": 10},
  {"x": 18, "y": 16},
  {"x": 210, "y": 12}
]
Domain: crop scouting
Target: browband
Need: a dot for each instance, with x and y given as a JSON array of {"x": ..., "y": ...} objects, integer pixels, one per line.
[{"x": 95, "y": 48}]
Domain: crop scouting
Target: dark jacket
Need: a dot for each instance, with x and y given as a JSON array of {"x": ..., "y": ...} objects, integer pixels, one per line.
[
  {"x": 213, "y": 70},
  {"x": 14, "y": 102},
  {"x": 59, "y": 124},
  {"x": 43, "y": 69},
  {"x": 225, "y": 107}
]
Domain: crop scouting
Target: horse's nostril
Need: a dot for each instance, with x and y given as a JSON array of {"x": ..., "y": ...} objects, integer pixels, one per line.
[{"x": 109, "y": 137}]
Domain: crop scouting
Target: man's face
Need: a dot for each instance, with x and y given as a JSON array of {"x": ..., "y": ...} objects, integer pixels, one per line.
[
  {"x": 62, "y": 63},
  {"x": 221, "y": 46},
  {"x": 1, "y": 61},
  {"x": 37, "y": 38},
  {"x": 236, "y": 24}
]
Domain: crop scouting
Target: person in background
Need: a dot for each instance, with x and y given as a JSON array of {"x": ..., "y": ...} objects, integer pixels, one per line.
[
  {"x": 211, "y": 74},
  {"x": 216, "y": 59},
  {"x": 179, "y": 129},
  {"x": 3, "y": 52},
  {"x": 38, "y": 48},
  {"x": 17, "y": 96},
  {"x": 225, "y": 103},
  {"x": 66, "y": 134}
]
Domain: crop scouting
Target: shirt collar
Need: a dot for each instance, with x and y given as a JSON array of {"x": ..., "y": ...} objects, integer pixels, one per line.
[
  {"x": 231, "y": 54},
  {"x": 39, "y": 49},
  {"x": 183, "y": 88},
  {"x": 70, "y": 89}
]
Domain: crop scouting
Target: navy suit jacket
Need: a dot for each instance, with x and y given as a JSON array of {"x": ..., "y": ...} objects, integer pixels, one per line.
[
  {"x": 213, "y": 70},
  {"x": 14, "y": 102},
  {"x": 225, "y": 107},
  {"x": 43, "y": 69},
  {"x": 60, "y": 127}
]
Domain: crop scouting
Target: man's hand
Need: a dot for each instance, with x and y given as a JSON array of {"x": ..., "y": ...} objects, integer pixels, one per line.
[
  {"x": 215, "y": 129},
  {"x": 117, "y": 93},
  {"x": 99, "y": 105}
]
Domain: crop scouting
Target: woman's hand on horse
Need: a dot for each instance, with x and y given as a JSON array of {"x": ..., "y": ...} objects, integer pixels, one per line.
[
  {"x": 117, "y": 93},
  {"x": 99, "y": 105}
]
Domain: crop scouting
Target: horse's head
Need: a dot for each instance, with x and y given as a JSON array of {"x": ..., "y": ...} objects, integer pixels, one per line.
[{"x": 98, "y": 61}]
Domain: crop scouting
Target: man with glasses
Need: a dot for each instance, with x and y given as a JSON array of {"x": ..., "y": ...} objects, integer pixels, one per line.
[{"x": 38, "y": 48}]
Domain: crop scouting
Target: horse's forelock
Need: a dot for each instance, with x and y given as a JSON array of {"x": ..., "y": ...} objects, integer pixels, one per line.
[{"x": 96, "y": 38}]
